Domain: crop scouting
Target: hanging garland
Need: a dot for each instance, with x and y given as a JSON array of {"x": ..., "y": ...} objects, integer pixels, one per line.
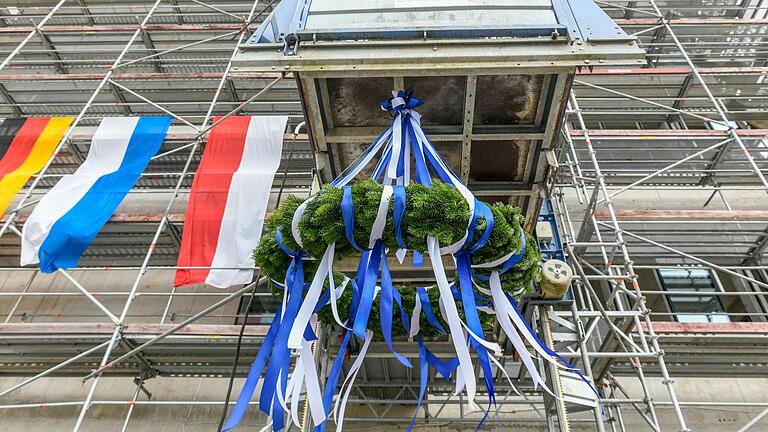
[
  {"x": 435, "y": 211},
  {"x": 496, "y": 264},
  {"x": 439, "y": 211},
  {"x": 427, "y": 329}
]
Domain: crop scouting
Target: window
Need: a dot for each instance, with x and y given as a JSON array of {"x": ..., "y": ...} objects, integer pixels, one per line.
[{"x": 691, "y": 308}]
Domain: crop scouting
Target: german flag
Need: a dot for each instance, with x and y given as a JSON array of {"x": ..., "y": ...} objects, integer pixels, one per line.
[{"x": 25, "y": 147}]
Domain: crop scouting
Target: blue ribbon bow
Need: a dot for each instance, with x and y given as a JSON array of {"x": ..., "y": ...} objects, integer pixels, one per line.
[{"x": 410, "y": 102}]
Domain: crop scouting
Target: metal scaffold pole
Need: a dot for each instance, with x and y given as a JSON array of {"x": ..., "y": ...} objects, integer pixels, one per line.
[
  {"x": 202, "y": 129},
  {"x": 627, "y": 263},
  {"x": 639, "y": 148}
]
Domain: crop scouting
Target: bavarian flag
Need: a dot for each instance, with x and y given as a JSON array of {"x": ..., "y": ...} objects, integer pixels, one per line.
[
  {"x": 67, "y": 219},
  {"x": 25, "y": 147}
]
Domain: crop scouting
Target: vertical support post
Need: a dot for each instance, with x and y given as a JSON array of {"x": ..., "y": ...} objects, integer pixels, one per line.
[
  {"x": 585, "y": 361},
  {"x": 629, "y": 269},
  {"x": 132, "y": 403},
  {"x": 556, "y": 384},
  {"x": 469, "y": 119}
]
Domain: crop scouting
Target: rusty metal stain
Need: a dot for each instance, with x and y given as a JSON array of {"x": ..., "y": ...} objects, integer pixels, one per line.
[
  {"x": 499, "y": 161},
  {"x": 443, "y": 98},
  {"x": 507, "y": 99},
  {"x": 355, "y": 102}
]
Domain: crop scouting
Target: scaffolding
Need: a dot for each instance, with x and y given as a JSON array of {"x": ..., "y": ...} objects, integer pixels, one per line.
[{"x": 689, "y": 126}]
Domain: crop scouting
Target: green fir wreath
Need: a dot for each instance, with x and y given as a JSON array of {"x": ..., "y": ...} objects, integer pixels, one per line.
[{"x": 439, "y": 211}]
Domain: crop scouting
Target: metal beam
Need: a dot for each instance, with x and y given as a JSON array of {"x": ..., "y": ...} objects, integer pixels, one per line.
[
  {"x": 86, "y": 11},
  {"x": 11, "y": 101},
  {"x": 150, "y": 46},
  {"x": 52, "y": 51}
]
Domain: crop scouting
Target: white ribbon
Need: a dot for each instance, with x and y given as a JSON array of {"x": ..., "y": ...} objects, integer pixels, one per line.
[
  {"x": 495, "y": 263},
  {"x": 311, "y": 298},
  {"x": 503, "y": 305},
  {"x": 504, "y": 371},
  {"x": 451, "y": 316},
  {"x": 400, "y": 254},
  {"x": 415, "y": 326},
  {"x": 281, "y": 395},
  {"x": 295, "y": 384},
  {"x": 304, "y": 373},
  {"x": 377, "y": 229},
  {"x": 459, "y": 387},
  {"x": 314, "y": 394},
  {"x": 335, "y": 295},
  {"x": 406, "y": 179},
  {"x": 338, "y": 414},
  {"x": 506, "y": 306},
  {"x": 397, "y": 141},
  {"x": 492, "y": 346},
  {"x": 480, "y": 289},
  {"x": 396, "y": 100},
  {"x": 362, "y": 163},
  {"x": 442, "y": 308},
  {"x": 296, "y": 218}
]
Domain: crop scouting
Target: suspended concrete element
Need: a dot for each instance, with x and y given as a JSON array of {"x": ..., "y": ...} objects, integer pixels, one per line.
[
  {"x": 494, "y": 74},
  {"x": 392, "y": 214}
]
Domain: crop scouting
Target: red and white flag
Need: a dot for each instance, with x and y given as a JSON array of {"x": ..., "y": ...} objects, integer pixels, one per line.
[{"x": 228, "y": 201}]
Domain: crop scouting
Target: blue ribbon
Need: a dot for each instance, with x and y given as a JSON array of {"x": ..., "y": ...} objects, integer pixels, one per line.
[
  {"x": 516, "y": 258},
  {"x": 404, "y": 319},
  {"x": 426, "y": 359},
  {"x": 333, "y": 379},
  {"x": 356, "y": 286},
  {"x": 398, "y": 211},
  {"x": 426, "y": 307},
  {"x": 385, "y": 309},
  {"x": 464, "y": 268},
  {"x": 348, "y": 215},
  {"x": 279, "y": 238},
  {"x": 381, "y": 165},
  {"x": 249, "y": 387},
  {"x": 422, "y": 172},
  {"x": 368, "y": 290},
  {"x": 279, "y": 362},
  {"x": 482, "y": 210},
  {"x": 418, "y": 259},
  {"x": 411, "y": 102},
  {"x": 472, "y": 226},
  {"x": 443, "y": 367},
  {"x": 442, "y": 169},
  {"x": 423, "y": 377},
  {"x": 401, "y": 157}
]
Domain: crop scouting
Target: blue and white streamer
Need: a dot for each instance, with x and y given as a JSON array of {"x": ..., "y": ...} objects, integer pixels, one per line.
[{"x": 291, "y": 329}]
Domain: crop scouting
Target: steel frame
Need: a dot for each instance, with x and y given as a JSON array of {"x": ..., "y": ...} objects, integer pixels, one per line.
[{"x": 608, "y": 329}]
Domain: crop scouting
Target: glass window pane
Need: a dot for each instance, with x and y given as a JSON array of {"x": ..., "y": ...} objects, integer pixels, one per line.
[{"x": 690, "y": 308}]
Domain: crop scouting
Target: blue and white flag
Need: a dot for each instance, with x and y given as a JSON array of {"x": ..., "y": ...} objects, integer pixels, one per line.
[{"x": 68, "y": 217}]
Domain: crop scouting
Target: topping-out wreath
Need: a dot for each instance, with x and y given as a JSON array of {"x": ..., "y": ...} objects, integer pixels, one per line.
[{"x": 414, "y": 202}]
